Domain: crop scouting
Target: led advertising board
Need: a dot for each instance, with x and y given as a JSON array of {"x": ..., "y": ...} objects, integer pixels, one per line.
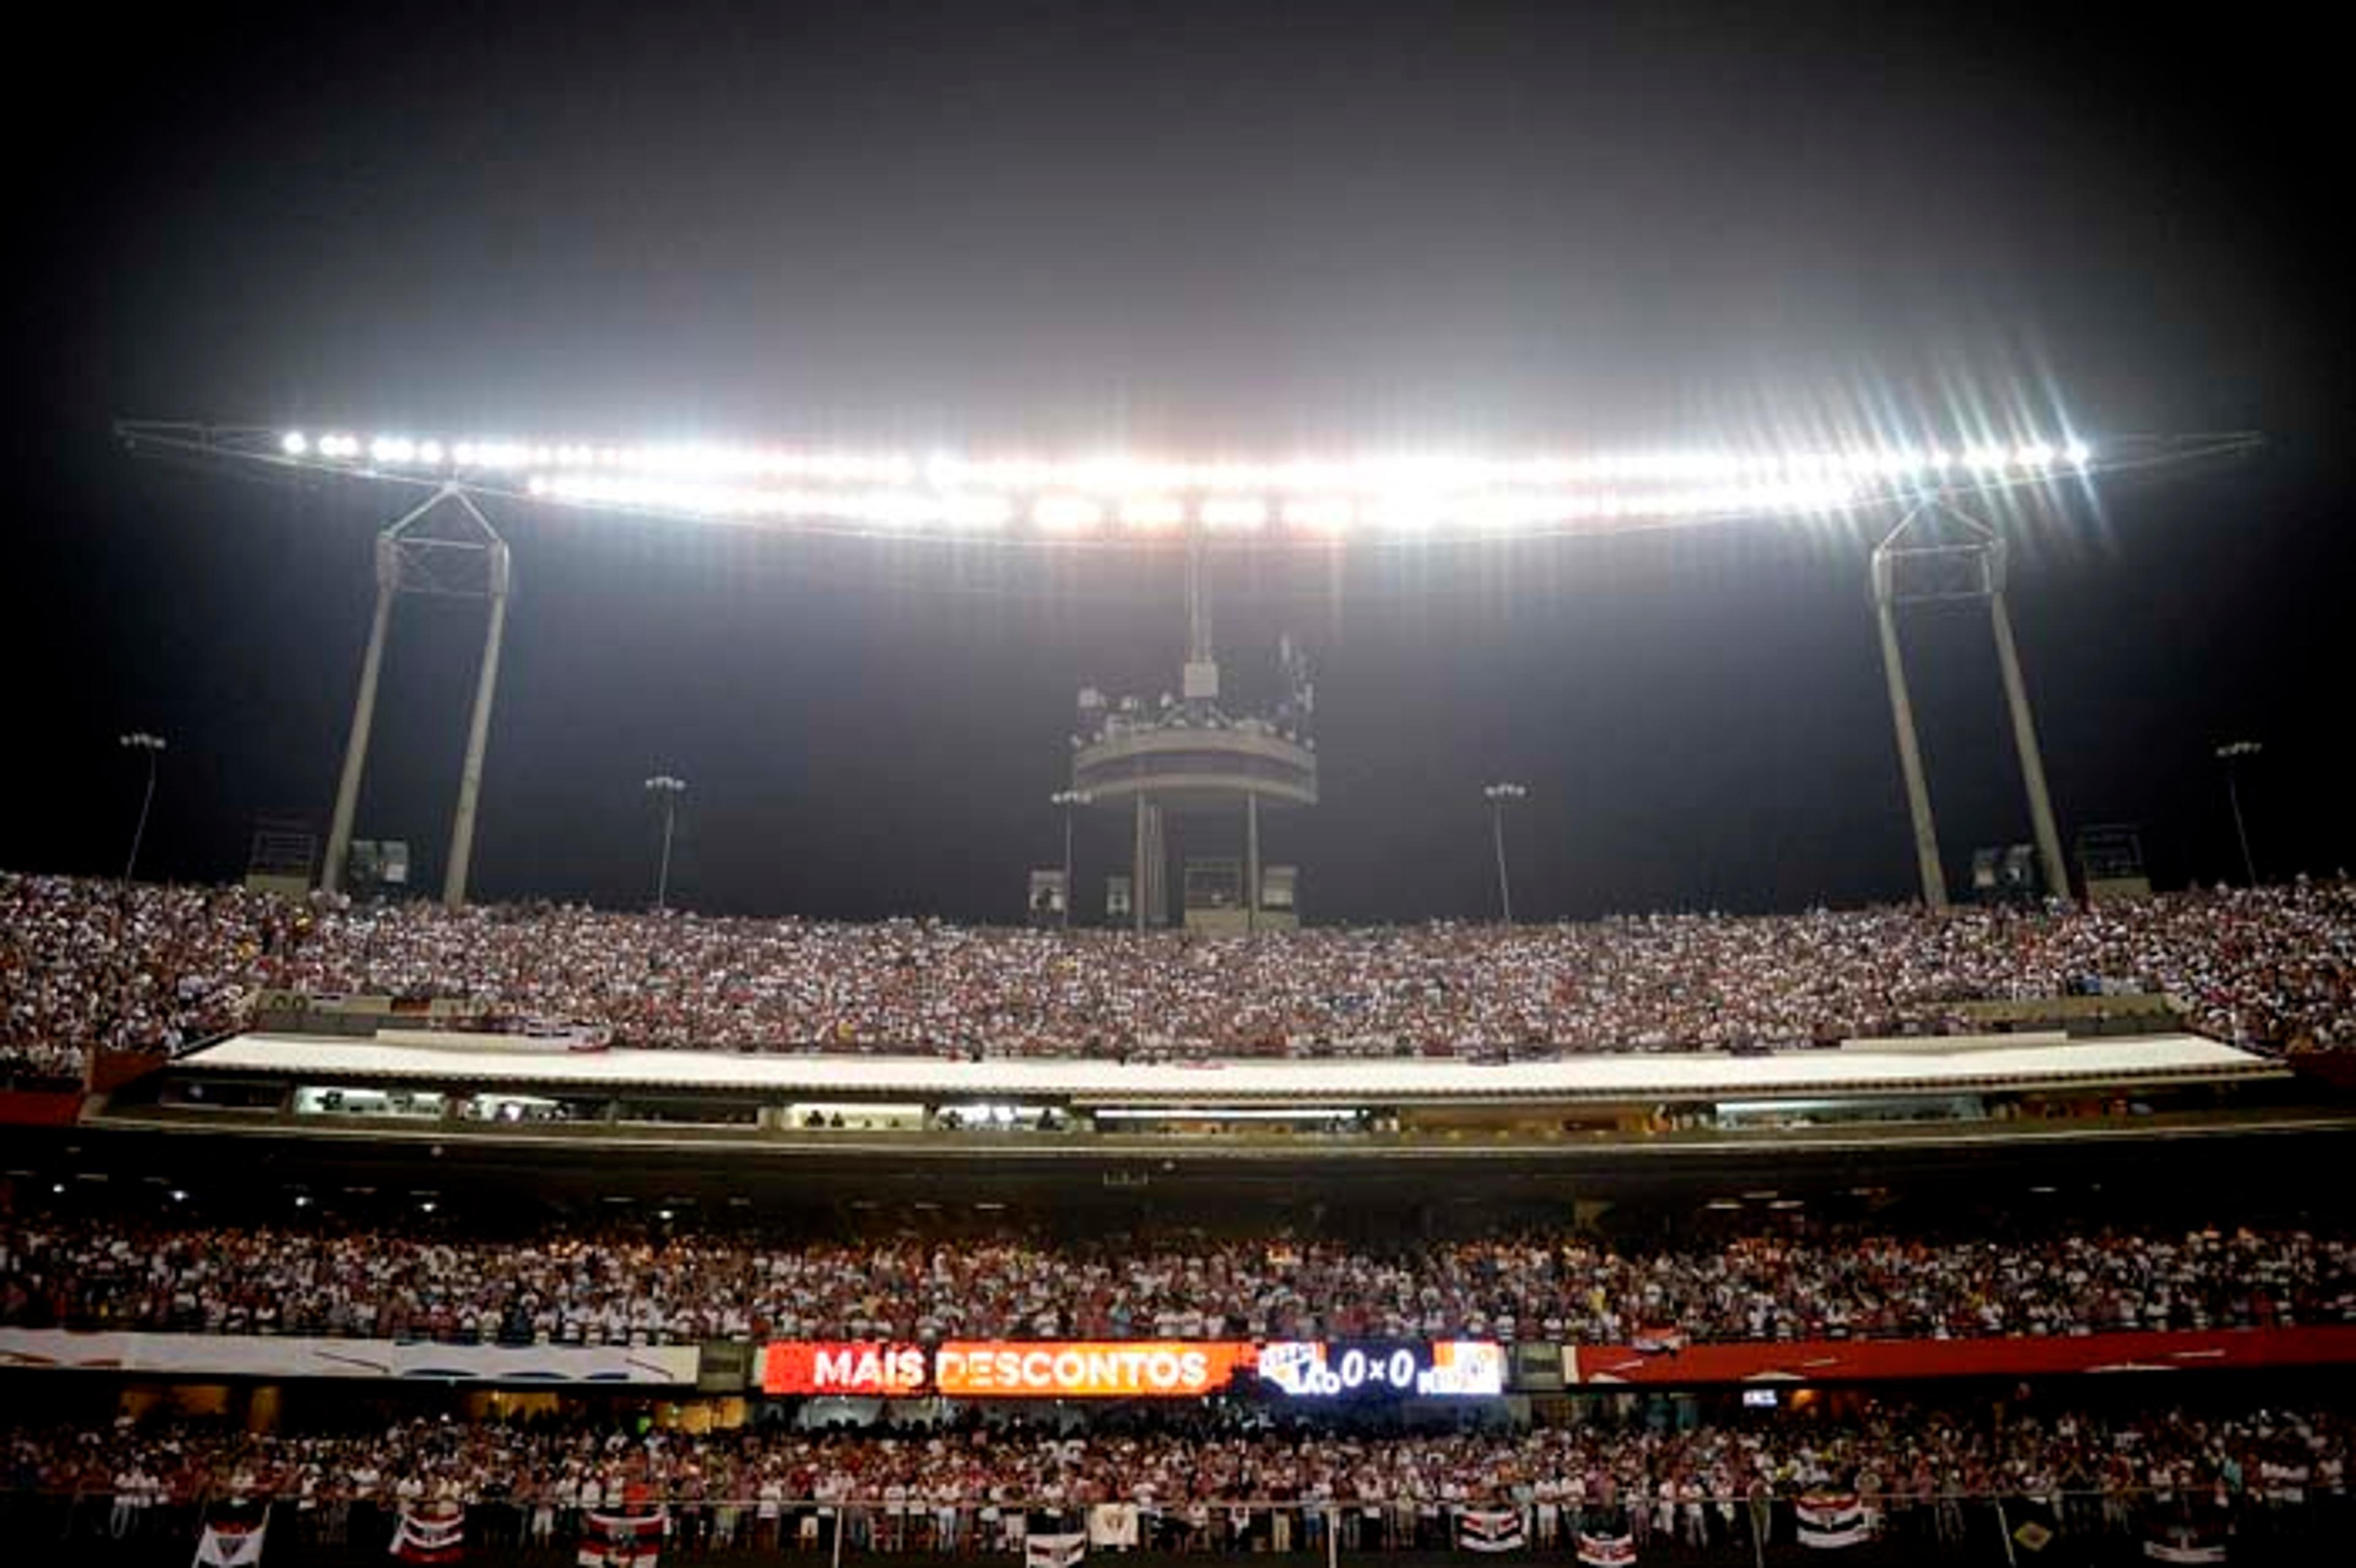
[
  {"x": 863, "y": 1367},
  {"x": 1058, "y": 1369},
  {"x": 1134, "y": 1368}
]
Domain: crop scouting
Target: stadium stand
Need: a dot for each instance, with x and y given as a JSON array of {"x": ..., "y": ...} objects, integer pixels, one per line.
[
  {"x": 660, "y": 1284},
  {"x": 86, "y": 964}
]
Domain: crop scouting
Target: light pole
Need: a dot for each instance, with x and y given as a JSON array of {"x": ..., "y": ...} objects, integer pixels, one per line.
[
  {"x": 140, "y": 740},
  {"x": 668, "y": 789},
  {"x": 1068, "y": 799},
  {"x": 1497, "y": 796},
  {"x": 2231, "y": 754}
]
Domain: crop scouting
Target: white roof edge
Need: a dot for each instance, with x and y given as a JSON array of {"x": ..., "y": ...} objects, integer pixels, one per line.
[{"x": 1977, "y": 1064}]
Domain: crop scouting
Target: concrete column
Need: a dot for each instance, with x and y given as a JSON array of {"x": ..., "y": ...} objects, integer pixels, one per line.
[
  {"x": 2032, "y": 761},
  {"x": 356, "y": 747},
  {"x": 1910, "y": 750},
  {"x": 1251, "y": 860},
  {"x": 478, "y": 734},
  {"x": 1137, "y": 861}
]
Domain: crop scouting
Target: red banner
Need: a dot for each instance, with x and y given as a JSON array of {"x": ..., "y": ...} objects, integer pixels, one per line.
[{"x": 1845, "y": 1360}]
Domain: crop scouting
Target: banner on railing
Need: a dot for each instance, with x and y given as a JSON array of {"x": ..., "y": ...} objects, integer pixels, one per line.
[
  {"x": 293, "y": 1356},
  {"x": 1606, "y": 1549},
  {"x": 1054, "y": 1541},
  {"x": 435, "y": 1532},
  {"x": 631, "y": 1540},
  {"x": 1490, "y": 1529},
  {"x": 235, "y": 1538},
  {"x": 1829, "y": 1520}
]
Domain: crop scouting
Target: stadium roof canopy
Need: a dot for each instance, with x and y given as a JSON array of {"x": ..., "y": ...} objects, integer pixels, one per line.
[{"x": 1958, "y": 1065}]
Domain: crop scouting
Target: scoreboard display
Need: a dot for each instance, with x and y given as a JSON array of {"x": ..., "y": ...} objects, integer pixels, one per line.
[{"x": 1409, "y": 1368}]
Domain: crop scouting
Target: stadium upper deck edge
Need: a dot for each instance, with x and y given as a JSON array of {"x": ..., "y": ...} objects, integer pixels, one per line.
[{"x": 398, "y": 1086}]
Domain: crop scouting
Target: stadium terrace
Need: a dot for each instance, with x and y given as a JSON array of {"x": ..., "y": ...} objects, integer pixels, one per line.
[{"x": 146, "y": 969}]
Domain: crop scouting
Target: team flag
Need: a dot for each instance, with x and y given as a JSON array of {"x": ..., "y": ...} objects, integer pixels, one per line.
[
  {"x": 432, "y": 1532},
  {"x": 1490, "y": 1529},
  {"x": 622, "y": 1540},
  {"x": 2184, "y": 1543},
  {"x": 232, "y": 1538},
  {"x": 1054, "y": 1541},
  {"x": 1829, "y": 1519},
  {"x": 1599, "y": 1550}
]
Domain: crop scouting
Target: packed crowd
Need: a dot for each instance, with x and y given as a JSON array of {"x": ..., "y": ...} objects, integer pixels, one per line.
[
  {"x": 1898, "y": 1459},
  {"x": 150, "y": 968},
  {"x": 619, "y": 1286}
]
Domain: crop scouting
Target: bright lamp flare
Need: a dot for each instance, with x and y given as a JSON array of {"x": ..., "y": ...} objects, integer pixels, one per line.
[{"x": 1312, "y": 497}]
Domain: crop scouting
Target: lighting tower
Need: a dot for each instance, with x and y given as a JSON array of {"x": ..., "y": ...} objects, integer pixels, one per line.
[
  {"x": 666, "y": 789},
  {"x": 412, "y": 557},
  {"x": 2232, "y": 754},
  {"x": 1499, "y": 796},
  {"x": 1939, "y": 552},
  {"x": 153, "y": 747}
]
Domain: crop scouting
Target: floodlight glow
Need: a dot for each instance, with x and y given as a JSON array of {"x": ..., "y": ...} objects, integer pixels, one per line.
[
  {"x": 1308, "y": 496},
  {"x": 978, "y": 513},
  {"x": 1234, "y": 513},
  {"x": 1321, "y": 513},
  {"x": 1063, "y": 513},
  {"x": 1152, "y": 511}
]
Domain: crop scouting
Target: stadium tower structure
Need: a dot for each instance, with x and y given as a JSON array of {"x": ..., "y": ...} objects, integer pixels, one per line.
[{"x": 1188, "y": 755}]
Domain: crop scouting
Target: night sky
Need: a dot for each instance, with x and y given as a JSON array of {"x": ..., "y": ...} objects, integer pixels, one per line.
[{"x": 1186, "y": 228}]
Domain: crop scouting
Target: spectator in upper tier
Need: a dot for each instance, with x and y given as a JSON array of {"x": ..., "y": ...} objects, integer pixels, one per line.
[{"x": 87, "y": 963}]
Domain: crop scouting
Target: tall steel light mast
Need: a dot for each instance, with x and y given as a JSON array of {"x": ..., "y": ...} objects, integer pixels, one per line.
[
  {"x": 1938, "y": 553},
  {"x": 2232, "y": 753},
  {"x": 151, "y": 746},
  {"x": 668, "y": 788},
  {"x": 412, "y": 558},
  {"x": 1499, "y": 796}
]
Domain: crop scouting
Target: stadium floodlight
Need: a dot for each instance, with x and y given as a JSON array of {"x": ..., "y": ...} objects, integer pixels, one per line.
[
  {"x": 1065, "y": 513},
  {"x": 1234, "y": 514},
  {"x": 151, "y": 748},
  {"x": 2233, "y": 754},
  {"x": 1312, "y": 499},
  {"x": 1154, "y": 510},
  {"x": 666, "y": 789},
  {"x": 1499, "y": 796},
  {"x": 1311, "y": 496}
]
